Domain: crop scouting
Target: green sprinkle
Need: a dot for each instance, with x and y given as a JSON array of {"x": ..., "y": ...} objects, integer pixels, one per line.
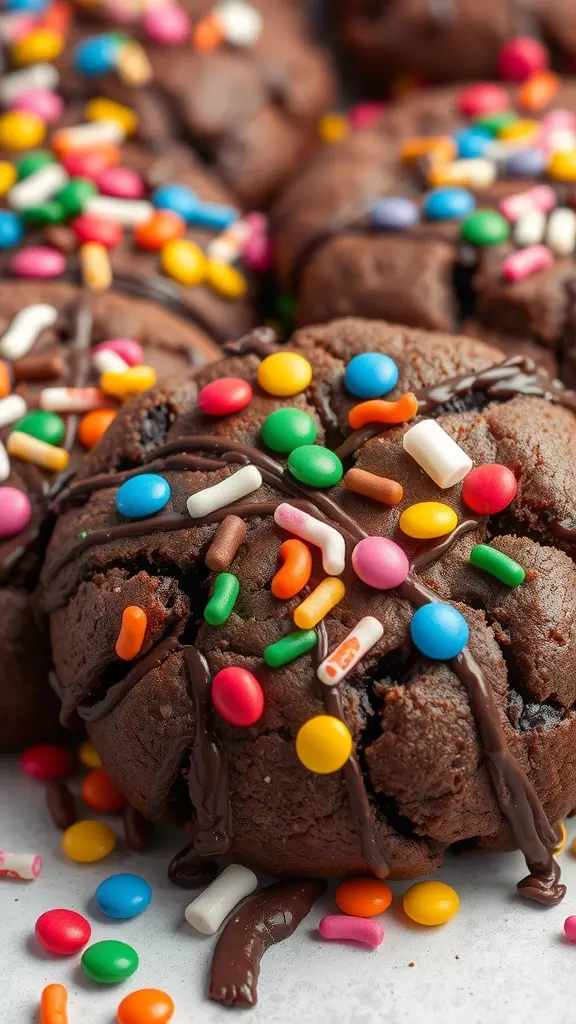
[
  {"x": 287, "y": 429},
  {"x": 223, "y": 598},
  {"x": 315, "y": 466},
  {"x": 498, "y": 564},
  {"x": 290, "y": 647},
  {"x": 34, "y": 161},
  {"x": 485, "y": 227}
]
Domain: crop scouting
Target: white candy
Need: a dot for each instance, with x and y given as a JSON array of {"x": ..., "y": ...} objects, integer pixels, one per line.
[
  {"x": 529, "y": 228},
  {"x": 94, "y": 133},
  {"x": 25, "y": 328},
  {"x": 72, "y": 399},
  {"x": 437, "y": 453},
  {"x": 305, "y": 526},
  {"x": 236, "y": 486},
  {"x": 38, "y": 188},
  {"x": 561, "y": 231},
  {"x": 228, "y": 246},
  {"x": 207, "y": 912},
  {"x": 128, "y": 212},
  {"x": 240, "y": 22},
  {"x": 560, "y": 140},
  {"x": 37, "y": 76},
  {"x": 107, "y": 361},
  {"x": 12, "y": 408},
  {"x": 20, "y": 865},
  {"x": 340, "y": 662},
  {"x": 4, "y": 463},
  {"x": 478, "y": 172}
]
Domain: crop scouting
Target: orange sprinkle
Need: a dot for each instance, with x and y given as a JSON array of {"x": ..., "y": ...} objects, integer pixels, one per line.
[
  {"x": 363, "y": 897},
  {"x": 441, "y": 148},
  {"x": 538, "y": 90},
  {"x": 207, "y": 35},
  {"x": 100, "y": 792},
  {"x": 378, "y": 411},
  {"x": 163, "y": 226},
  {"x": 53, "y": 1003},
  {"x": 296, "y": 571},
  {"x": 131, "y": 635},
  {"x": 5, "y": 379},
  {"x": 94, "y": 425}
]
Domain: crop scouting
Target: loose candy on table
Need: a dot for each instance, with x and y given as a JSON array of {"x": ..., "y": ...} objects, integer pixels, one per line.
[
  {"x": 366, "y": 633},
  {"x": 319, "y": 602},
  {"x": 378, "y": 411},
  {"x": 95, "y": 266},
  {"x": 53, "y": 1005},
  {"x": 222, "y": 599},
  {"x": 109, "y": 961},
  {"x": 305, "y": 526},
  {"x": 244, "y": 481},
  {"x": 146, "y": 1006},
  {"x": 369, "y": 485},
  {"x": 525, "y": 262},
  {"x": 62, "y": 931},
  {"x": 15, "y": 511},
  {"x": 380, "y": 563},
  {"x": 132, "y": 631},
  {"x": 38, "y": 261},
  {"x": 143, "y": 495},
  {"x": 439, "y": 631},
  {"x": 60, "y": 804},
  {"x": 88, "y": 841},
  {"x": 437, "y": 453},
  {"x": 38, "y": 187},
  {"x": 449, "y": 203},
  {"x": 315, "y": 466},
  {"x": 560, "y": 234},
  {"x": 24, "y": 866},
  {"x": 427, "y": 520},
  {"x": 351, "y": 929},
  {"x": 46, "y": 761},
  {"x": 88, "y": 755},
  {"x": 237, "y": 696},
  {"x": 393, "y": 213},
  {"x": 286, "y": 429},
  {"x": 363, "y": 897},
  {"x": 485, "y": 227},
  {"x": 505, "y": 569},
  {"x": 570, "y": 928},
  {"x": 12, "y": 408},
  {"x": 123, "y": 896},
  {"x": 290, "y": 647},
  {"x": 11, "y": 229},
  {"x": 489, "y": 489},
  {"x": 295, "y": 572},
  {"x": 324, "y": 744},
  {"x": 100, "y": 792},
  {"x": 226, "y": 543},
  {"x": 430, "y": 903},
  {"x": 224, "y": 396},
  {"x": 25, "y": 329},
  {"x": 207, "y": 912},
  {"x": 284, "y": 374}
]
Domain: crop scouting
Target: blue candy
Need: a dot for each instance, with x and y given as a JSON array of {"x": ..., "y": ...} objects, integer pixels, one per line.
[
  {"x": 439, "y": 631},
  {"x": 371, "y": 375},
  {"x": 213, "y": 216},
  {"x": 393, "y": 213},
  {"x": 25, "y": 6},
  {"x": 448, "y": 203},
  {"x": 11, "y": 229},
  {"x": 142, "y": 495},
  {"x": 179, "y": 199},
  {"x": 526, "y": 163},
  {"x": 472, "y": 142},
  {"x": 123, "y": 896},
  {"x": 97, "y": 55}
]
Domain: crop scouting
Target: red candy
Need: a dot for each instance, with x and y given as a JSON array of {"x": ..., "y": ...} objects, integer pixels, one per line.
[
  {"x": 237, "y": 696},
  {"x": 100, "y": 792},
  {"x": 224, "y": 396},
  {"x": 89, "y": 163},
  {"x": 520, "y": 58},
  {"x": 46, "y": 761},
  {"x": 91, "y": 228},
  {"x": 121, "y": 182},
  {"x": 62, "y": 931},
  {"x": 484, "y": 98},
  {"x": 489, "y": 489}
]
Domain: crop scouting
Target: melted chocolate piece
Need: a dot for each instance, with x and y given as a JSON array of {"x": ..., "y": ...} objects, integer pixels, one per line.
[
  {"x": 261, "y": 341},
  {"x": 137, "y": 831},
  {"x": 267, "y": 918},
  {"x": 187, "y": 870},
  {"x": 60, "y": 803}
]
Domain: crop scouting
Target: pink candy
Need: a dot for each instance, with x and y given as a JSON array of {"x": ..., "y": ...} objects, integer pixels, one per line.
[
  {"x": 167, "y": 24},
  {"x": 121, "y": 182},
  {"x": 570, "y": 928},
  {"x": 85, "y": 163},
  {"x": 353, "y": 929},
  {"x": 258, "y": 251},
  {"x": 559, "y": 117},
  {"x": 541, "y": 197},
  {"x": 15, "y": 511},
  {"x": 380, "y": 563},
  {"x": 128, "y": 350},
  {"x": 484, "y": 98},
  {"x": 520, "y": 58},
  {"x": 364, "y": 115},
  {"x": 47, "y": 105},
  {"x": 38, "y": 261},
  {"x": 525, "y": 262}
]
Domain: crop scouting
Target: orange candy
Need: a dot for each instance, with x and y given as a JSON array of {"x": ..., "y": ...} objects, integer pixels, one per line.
[
  {"x": 53, "y": 1003},
  {"x": 163, "y": 226},
  {"x": 296, "y": 571},
  {"x": 538, "y": 90},
  {"x": 5, "y": 379},
  {"x": 207, "y": 35},
  {"x": 146, "y": 1006},
  {"x": 57, "y": 17},
  {"x": 94, "y": 425},
  {"x": 440, "y": 148},
  {"x": 100, "y": 792},
  {"x": 131, "y": 635},
  {"x": 363, "y": 897},
  {"x": 378, "y": 411}
]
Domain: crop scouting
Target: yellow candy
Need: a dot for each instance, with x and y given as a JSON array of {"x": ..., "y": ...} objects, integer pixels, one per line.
[
  {"x": 87, "y": 841},
  {"x": 184, "y": 261},
  {"x": 226, "y": 280},
  {"x": 428, "y": 519},
  {"x": 323, "y": 744},
  {"x": 520, "y": 131},
  {"x": 129, "y": 382},
  {"x": 284, "y": 374},
  {"x": 44, "y": 44},
  {"x": 333, "y": 127},
  {"x": 96, "y": 267},
  {"x": 133, "y": 64},
  {"x": 440, "y": 148},
  {"x": 20, "y": 129},
  {"x": 88, "y": 755},
  {"x": 7, "y": 176},
  {"x": 562, "y": 166},
  {"x": 102, "y": 109},
  {"x": 327, "y": 595},
  {"x": 31, "y": 449},
  {"x": 430, "y": 903},
  {"x": 560, "y": 828}
]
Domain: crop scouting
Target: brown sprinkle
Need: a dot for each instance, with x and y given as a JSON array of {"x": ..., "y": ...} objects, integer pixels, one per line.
[
  {"x": 60, "y": 804},
  {"x": 137, "y": 831},
  {"x": 379, "y": 488},
  {"x": 39, "y": 368},
  {"x": 227, "y": 540}
]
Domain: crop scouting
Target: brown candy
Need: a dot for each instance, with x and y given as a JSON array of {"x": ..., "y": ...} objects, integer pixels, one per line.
[
  {"x": 60, "y": 803},
  {"x": 137, "y": 830},
  {"x": 227, "y": 540},
  {"x": 48, "y": 367},
  {"x": 379, "y": 488}
]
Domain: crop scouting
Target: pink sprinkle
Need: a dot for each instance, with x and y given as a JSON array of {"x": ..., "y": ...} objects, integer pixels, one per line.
[
  {"x": 570, "y": 927},
  {"x": 38, "y": 261},
  {"x": 352, "y": 929},
  {"x": 15, "y": 511},
  {"x": 525, "y": 262},
  {"x": 541, "y": 197},
  {"x": 47, "y": 105},
  {"x": 128, "y": 350},
  {"x": 167, "y": 24},
  {"x": 121, "y": 182},
  {"x": 364, "y": 115},
  {"x": 484, "y": 98},
  {"x": 286, "y": 515}
]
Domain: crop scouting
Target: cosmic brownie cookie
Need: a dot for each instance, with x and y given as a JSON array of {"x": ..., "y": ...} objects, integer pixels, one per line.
[
  {"x": 330, "y": 631},
  {"x": 456, "y": 208}
]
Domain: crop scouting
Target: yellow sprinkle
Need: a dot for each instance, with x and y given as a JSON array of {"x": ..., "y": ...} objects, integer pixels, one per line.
[
  {"x": 524, "y": 131},
  {"x": 21, "y": 129},
  {"x": 560, "y": 829},
  {"x": 31, "y": 449},
  {"x": 428, "y": 519},
  {"x": 95, "y": 265},
  {"x": 134, "y": 66},
  {"x": 327, "y": 595},
  {"x": 562, "y": 166},
  {"x": 44, "y": 44},
  {"x": 323, "y": 744},
  {"x": 7, "y": 176},
  {"x": 284, "y": 374},
  {"x": 88, "y": 755},
  {"x": 129, "y": 382},
  {"x": 333, "y": 127},
  {"x": 226, "y": 280},
  {"x": 103, "y": 109},
  {"x": 184, "y": 261}
]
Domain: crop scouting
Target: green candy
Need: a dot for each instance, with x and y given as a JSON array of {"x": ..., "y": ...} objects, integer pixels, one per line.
[
  {"x": 315, "y": 466},
  {"x": 287, "y": 429},
  {"x": 223, "y": 598},
  {"x": 485, "y": 227},
  {"x": 109, "y": 961},
  {"x": 285, "y": 305},
  {"x": 290, "y": 647},
  {"x": 33, "y": 162},
  {"x": 46, "y": 426},
  {"x": 51, "y": 212},
  {"x": 494, "y": 123},
  {"x": 75, "y": 195},
  {"x": 497, "y": 564}
]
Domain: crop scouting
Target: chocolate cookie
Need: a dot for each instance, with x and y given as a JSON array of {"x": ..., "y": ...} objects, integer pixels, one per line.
[{"x": 192, "y": 641}]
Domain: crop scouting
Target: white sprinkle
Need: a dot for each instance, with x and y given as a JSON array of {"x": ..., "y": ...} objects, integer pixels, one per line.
[
  {"x": 37, "y": 76},
  {"x": 340, "y": 662},
  {"x": 4, "y": 463},
  {"x": 236, "y": 486},
  {"x": 128, "y": 212},
  {"x": 228, "y": 245},
  {"x": 20, "y": 865},
  {"x": 437, "y": 453},
  {"x": 12, "y": 408},
  {"x": 25, "y": 329},
  {"x": 107, "y": 361},
  {"x": 477, "y": 172},
  {"x": 38, "y": 188},
  {"x": 93, "y": 133},
  {"x": 240, "y": 22},
  {"x": 529, "y": 228},
  {"x": 561, "y": 231},
  {"x": 322, "y": 535},
  {"x": 207, "y": 912},
  {"x": 73, "y": 399}
]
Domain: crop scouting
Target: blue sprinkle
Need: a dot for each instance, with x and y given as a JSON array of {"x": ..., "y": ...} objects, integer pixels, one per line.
[
  {"x": 448, "y": 203},
  {"x": 393, "y": 213},
  {"x": 526, "y": 163},
  {"x": 472, "y": 142},
  {"x": 142, "y": 495},
  {"x": 97, "y": 55},
  {"x": 179, "y": 199},
  {"x": 213, "y": 216},
  {"x": 439, "y": 631},
  {"x": 11, "y": 229},
  {"x": 123, "y": 896},
  {"x": 371, "y": 375}
]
